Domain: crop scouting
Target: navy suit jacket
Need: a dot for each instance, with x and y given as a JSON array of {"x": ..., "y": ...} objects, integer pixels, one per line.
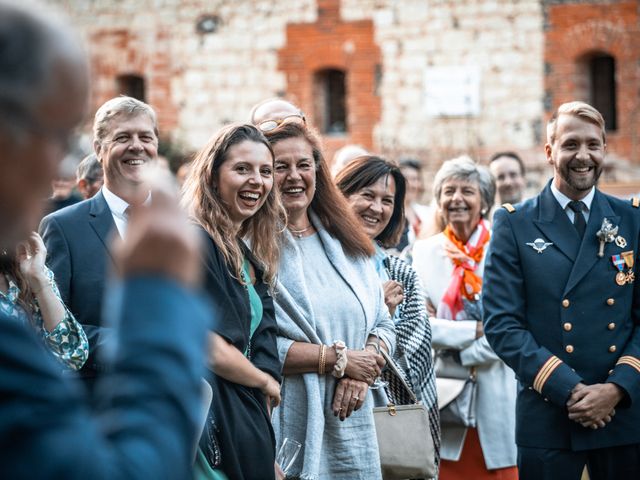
[
  {"x": 558, "y": 317},
  {"x": 146, "y": 423},
  {"x": 77, "y": 240}
]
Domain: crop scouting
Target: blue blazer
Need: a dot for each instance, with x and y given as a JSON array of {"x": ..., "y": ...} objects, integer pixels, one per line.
[
  {"x": 558, "y": 317},
  {"x": 145, "y": 423},
  {"x": 77, "y": 240}
]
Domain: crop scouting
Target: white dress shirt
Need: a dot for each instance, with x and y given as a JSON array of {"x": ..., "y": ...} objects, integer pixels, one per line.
[
  {"x": 117, "y": 207},
  {"x": 563, "y": 200}
]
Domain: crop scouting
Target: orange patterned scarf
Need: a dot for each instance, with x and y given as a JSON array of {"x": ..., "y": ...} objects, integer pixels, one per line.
[{"x": 464, "y": 280}]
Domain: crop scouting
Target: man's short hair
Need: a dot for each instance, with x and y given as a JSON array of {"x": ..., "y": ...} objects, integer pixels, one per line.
[
  {"x": 89, "y": 168},
  {"x": 126, "y": 106},
  {"x": 579, "y": 109},
  {"x": 509, "y": 154},
  {"x": 408, "y": 162}
]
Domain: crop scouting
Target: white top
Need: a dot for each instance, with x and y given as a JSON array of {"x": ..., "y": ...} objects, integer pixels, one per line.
[
  {"x": 117, "y": 207},
  {"x": 496, "y": 394},
  {"x": 563, "y": 200}
]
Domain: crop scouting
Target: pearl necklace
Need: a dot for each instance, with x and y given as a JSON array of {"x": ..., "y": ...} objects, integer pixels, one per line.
[{"x": 298, "y": 233}]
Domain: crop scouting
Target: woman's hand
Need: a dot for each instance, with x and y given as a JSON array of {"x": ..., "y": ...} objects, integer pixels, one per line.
[
  {"x": 349, "y": 396},
  {"x": 31, "y": 255},
  {"x": 431, "y": 309},
  {"x": 479, "y": 330},
  {"x": 393, "y": 295},
  {"x": 364, "y": 365},
  {"x": 279, "y": 473},
  {"x": 271, "y": 390}
]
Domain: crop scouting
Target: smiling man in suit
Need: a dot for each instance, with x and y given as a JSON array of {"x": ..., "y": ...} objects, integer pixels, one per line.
[
  {"x": 78, "y": 237},
  {"x": 562, "y": 308}
]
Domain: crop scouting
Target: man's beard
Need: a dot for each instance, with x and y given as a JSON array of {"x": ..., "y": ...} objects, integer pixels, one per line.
[{"x": 580, "y": 184}]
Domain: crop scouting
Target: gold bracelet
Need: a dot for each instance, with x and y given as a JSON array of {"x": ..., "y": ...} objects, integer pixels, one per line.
[{"x": 322, "y": 361}]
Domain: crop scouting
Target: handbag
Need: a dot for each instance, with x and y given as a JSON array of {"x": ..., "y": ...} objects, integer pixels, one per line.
[
  {"x": 457, "y": 390},
  {"x": 404, "y": 436}
]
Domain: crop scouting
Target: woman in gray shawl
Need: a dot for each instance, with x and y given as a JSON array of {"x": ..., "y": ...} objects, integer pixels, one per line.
[{"x": 331, "y": 318}]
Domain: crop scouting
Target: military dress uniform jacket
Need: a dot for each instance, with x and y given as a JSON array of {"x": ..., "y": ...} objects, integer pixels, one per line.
[{"x": 555, "y": 314}]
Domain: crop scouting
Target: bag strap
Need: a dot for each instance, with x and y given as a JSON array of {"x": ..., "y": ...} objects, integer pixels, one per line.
[{"x": 394, "y": 368}]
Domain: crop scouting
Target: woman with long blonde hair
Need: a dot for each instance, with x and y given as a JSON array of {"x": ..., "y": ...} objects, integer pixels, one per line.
[{"x": 229, "y": 194}]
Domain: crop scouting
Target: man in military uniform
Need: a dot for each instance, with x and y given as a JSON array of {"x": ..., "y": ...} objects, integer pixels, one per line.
[{"x": 562, "y": 308}]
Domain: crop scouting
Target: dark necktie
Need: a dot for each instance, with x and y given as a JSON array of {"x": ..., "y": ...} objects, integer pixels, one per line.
[{"x": 578, "y": 218}]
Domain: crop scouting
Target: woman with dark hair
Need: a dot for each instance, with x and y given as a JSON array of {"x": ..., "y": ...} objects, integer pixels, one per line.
[
  {"x": 229, "y": 193},
  {"x": 332, "y": 319},
  {"x": 375, "y": 190},
  {"x": 28, "y": 293}
]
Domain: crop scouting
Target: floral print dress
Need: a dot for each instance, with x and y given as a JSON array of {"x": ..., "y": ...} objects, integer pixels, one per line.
[{"x": 67, "y": 341}]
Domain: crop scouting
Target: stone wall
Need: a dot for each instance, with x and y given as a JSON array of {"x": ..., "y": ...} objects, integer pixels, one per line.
[{"x": 516, "y": 51}]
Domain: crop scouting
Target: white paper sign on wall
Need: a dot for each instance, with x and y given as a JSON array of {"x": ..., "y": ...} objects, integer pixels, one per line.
[{"x": 452, "y": 91}]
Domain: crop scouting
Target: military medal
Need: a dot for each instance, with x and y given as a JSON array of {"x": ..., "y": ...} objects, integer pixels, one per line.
[
  {"x": 629, "y": 261},
  {"x": 606, "y": 234},
  {"x": 619, "y": 263},
  {"x": 620, "y": 241}
]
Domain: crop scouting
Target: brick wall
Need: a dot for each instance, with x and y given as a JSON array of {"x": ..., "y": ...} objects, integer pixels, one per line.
[
  {"x": 525, "y": 52},
  {"x": 574, "y": 30},
  {"x": 333, "y": 43}
]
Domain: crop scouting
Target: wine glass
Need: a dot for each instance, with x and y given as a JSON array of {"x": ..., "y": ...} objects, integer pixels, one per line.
[
  {"x": 287, "y": 454},
  {"x": 378, "y": 382}
]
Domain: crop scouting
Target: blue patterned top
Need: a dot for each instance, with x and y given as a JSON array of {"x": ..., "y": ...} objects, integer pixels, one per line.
[{"x": 67, "y": 341}]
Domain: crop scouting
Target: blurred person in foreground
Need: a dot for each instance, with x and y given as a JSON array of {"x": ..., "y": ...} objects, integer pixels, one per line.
[
  {"x": 230, "y": 194},
  {"x": 78, "y": 238},
  {"x": 332, "y": 319},
  {"x": 89, "y": 176},
  {"x": 450, "y": 265},
  {"x": 375, "y": 190},
  {"x": 146, "y": 420}
]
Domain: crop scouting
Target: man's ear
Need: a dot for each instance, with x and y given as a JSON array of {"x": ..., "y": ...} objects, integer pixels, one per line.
[
  {"x": 81, "y": 185},
  {"x": 97, "y": 148},
  {"x": 548, "y": 151}
]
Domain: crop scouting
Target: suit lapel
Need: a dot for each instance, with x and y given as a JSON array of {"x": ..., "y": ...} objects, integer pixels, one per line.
[
  {"x": 101, "y": 220},
  {"x": 554, "y": 223},
  {"x": 588, "y": 254}
]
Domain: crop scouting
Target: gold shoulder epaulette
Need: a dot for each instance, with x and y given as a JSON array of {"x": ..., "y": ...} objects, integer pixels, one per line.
[
  {"x": 635, "y": 201},
  {"x": 508, "y": 207}
]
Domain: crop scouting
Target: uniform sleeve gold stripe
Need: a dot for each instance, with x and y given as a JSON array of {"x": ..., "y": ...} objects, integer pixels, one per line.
[
  {"x": 629, "y": 360},
  {"x": 544, "y": 376},
  {"x": 545, "y": 372}
]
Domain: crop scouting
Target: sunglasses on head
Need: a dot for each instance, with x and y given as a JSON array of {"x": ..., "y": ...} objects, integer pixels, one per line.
[{"x": 272, "y": 124}]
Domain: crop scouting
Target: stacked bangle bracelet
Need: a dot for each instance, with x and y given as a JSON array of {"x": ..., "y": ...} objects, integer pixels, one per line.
[{"x": 322, "y": 360}]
